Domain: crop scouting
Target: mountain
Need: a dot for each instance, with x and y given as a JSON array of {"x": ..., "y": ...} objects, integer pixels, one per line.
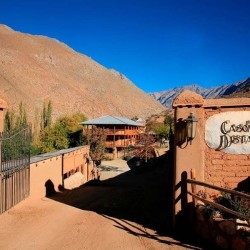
[
  {"x": 238, "y": 89},
  {"x": 35, "y": 68}
]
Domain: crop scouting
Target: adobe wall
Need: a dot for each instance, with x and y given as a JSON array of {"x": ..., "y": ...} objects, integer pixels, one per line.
[
  {"x": 222, "y": 168},
  {"x": 42, "y": 173},
  {"x": 75, "y": 160},
  {"x": 218, "y": 164},
  {"x": 51, "y": 172},
  {"x": 3, "y": 107}
]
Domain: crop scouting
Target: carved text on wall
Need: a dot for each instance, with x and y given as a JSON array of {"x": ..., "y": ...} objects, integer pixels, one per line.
[
  {"x": 229, "y": 132},
  {"x": 226, "y": 140}
]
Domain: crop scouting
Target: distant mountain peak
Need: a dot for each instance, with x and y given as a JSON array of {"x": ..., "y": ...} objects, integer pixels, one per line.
[{"x": 166, "y": 97}]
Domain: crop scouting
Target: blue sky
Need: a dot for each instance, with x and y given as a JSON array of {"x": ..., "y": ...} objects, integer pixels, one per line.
[{"x": 157, "y": 44}]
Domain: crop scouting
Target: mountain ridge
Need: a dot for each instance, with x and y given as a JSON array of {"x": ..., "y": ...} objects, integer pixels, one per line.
[
  {"x": 226, "y": 90},
  {"x": 34, "y": 68}
]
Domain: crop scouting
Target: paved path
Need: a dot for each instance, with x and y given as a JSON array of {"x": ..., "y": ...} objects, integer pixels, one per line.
[
  {"x": 90, "y": 217},
  {"x": 110, "y": 169}
]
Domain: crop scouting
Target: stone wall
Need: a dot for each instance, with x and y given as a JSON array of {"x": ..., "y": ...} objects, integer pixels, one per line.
[{"x": 225, "y": 233}]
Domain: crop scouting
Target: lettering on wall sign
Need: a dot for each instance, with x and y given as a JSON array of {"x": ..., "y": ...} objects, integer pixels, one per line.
[
  {"x": 226, "y": 140},
  {"x": 229, "y": 132}
]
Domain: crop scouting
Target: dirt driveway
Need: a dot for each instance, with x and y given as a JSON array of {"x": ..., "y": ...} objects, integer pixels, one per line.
[{"x": 110, "y": 214}]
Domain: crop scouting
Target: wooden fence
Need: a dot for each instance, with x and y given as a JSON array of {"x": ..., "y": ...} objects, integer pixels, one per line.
[{"x": 196, "y": 197}]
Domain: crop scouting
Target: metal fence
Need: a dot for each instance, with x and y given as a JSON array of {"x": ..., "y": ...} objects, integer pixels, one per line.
[{"x": 14, "y": 167}]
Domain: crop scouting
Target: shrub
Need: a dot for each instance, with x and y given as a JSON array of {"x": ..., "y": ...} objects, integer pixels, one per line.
[{"x": 234, "y": 202}]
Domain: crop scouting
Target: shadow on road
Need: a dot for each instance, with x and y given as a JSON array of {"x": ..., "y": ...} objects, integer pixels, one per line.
[{"x": 142, "y": 195}]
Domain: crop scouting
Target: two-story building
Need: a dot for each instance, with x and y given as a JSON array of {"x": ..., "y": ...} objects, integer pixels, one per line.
[{"x": 121, "y": 132}]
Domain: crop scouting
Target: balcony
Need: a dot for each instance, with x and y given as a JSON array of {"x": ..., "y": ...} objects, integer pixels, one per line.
[
  {"x": 123, "y": 132},
  {"x": 120, "y": 143}
]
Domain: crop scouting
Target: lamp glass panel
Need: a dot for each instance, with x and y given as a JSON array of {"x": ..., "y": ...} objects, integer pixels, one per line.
[
  {"x": 194, "y": 129},
  {"x": 189, "y": 129}
]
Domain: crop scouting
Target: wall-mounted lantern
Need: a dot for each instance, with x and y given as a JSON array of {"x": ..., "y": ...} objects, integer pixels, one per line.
[{"x": 191, "y": 123}]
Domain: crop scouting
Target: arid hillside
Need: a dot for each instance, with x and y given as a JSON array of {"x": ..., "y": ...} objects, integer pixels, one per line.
[{"x": 38, "y": 68}]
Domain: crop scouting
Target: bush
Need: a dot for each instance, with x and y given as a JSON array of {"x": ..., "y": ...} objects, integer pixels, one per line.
[{"x": 236, "y": 203}]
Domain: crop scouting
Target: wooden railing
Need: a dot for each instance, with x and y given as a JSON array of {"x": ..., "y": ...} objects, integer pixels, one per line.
[
  {"x": 196, "y": 197},
  {"x": 119, "y": 143},
  {"x": 122, "y": 132}
]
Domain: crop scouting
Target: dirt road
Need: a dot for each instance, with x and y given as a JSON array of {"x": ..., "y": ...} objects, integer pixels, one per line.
[{"x": 110, "y": 214}]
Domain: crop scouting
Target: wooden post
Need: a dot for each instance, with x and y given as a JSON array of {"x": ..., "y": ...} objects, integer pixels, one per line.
[
  {"x": 193, "y": 186},
  {"x": 124, "y": 141},
  {"x": 114, "y": 137}
]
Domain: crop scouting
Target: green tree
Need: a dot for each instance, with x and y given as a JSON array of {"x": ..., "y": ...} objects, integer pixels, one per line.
[
  {"x": 96, "y": 139},
  {"x": 46, "y": 115},
  {"x": 145, "y": 149},
  {"x": 13, "y": 121},
  {"x": 169, "y": 120},
  {"x": 162, "y": 131},
  {"x": 36, "y": 128},
  {"x": 9, "y": 121},
  {"x": 64, "y": 133},
  {"x": 21, "y": 119},
  {"x": 46, "y": 141}
]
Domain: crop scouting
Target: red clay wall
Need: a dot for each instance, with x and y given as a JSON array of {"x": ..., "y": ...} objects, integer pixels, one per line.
[
  {"x": 222, "y": 169},
  {"x": 212, "y": 166},
  {"x": 45, "y": 171},
  {"x": 51, "y": 171},
  {"x": 75, "y": 160},
  {"x": 3, "y": 107}
]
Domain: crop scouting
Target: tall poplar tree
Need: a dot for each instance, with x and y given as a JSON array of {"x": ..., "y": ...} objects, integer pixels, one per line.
[
  {"x": 21, "y": 119},
  {"x": 9, "y": 121},
  {"x": 46, "y": 116}
]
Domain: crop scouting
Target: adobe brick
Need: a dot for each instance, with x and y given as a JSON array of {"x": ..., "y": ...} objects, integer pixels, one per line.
[
  {"x": 220, "y": 179},
  {"x": 217, "y": 183},
  {"x": 243, "y": 163},
  {"x": 237, "y": 162},
  {"x": 231, "y": 185},
  {"x": 220, "y": 174},
  {"x": 229, "y": 174},
  {"x": 217, "y": 162},
  {"x": 235, "y": 157},
  {"x": 233, "y": 179},
  {"x": 217, "y": 167},
  {"x": 230, "y": 162},
  {"x": 235, "y": 168},
  {"x": 242, "y": 174},
  {"x": 216, "y": 156}
]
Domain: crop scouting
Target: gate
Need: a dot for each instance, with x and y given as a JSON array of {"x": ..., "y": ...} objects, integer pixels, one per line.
[{"x": 14, "y": 167}]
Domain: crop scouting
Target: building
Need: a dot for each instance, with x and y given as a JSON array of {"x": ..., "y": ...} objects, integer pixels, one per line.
[{"x": 121, "y": 132}]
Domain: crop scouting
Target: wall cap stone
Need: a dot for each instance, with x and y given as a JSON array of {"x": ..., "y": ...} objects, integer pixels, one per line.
[
  {"x": 188, "y": 98},
  {"x": 226, "y": 102}
]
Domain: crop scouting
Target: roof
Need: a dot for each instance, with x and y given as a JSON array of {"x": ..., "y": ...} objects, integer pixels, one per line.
[{"x": 111, "y": 120}]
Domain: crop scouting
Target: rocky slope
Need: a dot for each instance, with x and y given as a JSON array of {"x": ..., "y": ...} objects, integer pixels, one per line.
[
  {"x": 238, "y": 89},
  {"x": 37, "y": 68}
]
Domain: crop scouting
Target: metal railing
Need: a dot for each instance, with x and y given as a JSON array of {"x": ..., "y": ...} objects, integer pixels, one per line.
[{"x": 14, "y": 167}]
